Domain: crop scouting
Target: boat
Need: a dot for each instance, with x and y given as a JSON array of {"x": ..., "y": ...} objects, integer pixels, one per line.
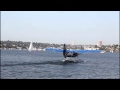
[
  {"x": 102, "y": 52},
  {"x": 111, "y": 51}
]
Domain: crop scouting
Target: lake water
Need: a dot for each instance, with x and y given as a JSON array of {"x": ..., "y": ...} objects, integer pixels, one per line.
[{"x": 22, "y": 64}]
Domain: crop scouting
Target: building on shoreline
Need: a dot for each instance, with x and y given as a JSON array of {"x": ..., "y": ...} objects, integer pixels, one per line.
[{"x": 19, "y": 45}]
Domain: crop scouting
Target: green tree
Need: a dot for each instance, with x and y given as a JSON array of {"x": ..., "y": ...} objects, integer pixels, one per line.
[
  {"x": 102, "y": 47},
  {"x": 95, "y": 46},
  {"x": 82, "y": 47}
]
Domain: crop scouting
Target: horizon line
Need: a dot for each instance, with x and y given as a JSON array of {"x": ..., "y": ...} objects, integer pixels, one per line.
[{"x": 56, "y": 43}]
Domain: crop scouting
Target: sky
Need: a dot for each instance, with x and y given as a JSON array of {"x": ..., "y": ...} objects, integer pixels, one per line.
[{"x": 58, "y": 27}]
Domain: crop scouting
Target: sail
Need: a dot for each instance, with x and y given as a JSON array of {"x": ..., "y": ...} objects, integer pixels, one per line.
[
  {"x": 64, "y": 51},
  {"x": 30, "y": 47}
]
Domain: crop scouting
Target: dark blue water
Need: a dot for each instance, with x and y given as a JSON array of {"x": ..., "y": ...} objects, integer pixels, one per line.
[{"x": 22, "y": 64}]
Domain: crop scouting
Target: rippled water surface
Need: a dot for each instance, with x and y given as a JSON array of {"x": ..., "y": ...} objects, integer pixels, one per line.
[{"x": 23, "y": 64}]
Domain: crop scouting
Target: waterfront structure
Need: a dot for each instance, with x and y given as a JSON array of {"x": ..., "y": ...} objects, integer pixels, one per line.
[{"x": 99, "y": 44}]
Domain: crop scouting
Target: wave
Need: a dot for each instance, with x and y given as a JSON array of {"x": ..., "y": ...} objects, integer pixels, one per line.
[{"x": 41, "y": 63}]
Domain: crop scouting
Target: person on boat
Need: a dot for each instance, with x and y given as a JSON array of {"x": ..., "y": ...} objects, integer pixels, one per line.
[{"x": 69, "y": 54}]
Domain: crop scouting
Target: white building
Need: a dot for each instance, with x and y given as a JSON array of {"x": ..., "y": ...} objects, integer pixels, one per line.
[{"x": 99, "y": 44}]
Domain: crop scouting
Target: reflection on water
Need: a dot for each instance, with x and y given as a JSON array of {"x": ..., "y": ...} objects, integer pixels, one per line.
[{"x": 26, "y": 65}]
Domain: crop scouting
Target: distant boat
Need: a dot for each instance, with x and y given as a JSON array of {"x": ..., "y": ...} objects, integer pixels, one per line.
[
  {"x": 30, "y": 47},
  {"x": 112, "y": 51},
  {"x": 102, "y": 52}
]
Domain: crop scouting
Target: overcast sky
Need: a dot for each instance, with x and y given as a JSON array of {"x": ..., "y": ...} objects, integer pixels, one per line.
[{"x": 82, "y": 27}]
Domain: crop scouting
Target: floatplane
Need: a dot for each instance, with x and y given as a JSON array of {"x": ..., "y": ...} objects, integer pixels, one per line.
[{"x": 70, "y": 55}]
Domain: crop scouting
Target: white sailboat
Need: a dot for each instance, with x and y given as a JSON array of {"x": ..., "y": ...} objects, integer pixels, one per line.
[{"x": 30, "y": 47}]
